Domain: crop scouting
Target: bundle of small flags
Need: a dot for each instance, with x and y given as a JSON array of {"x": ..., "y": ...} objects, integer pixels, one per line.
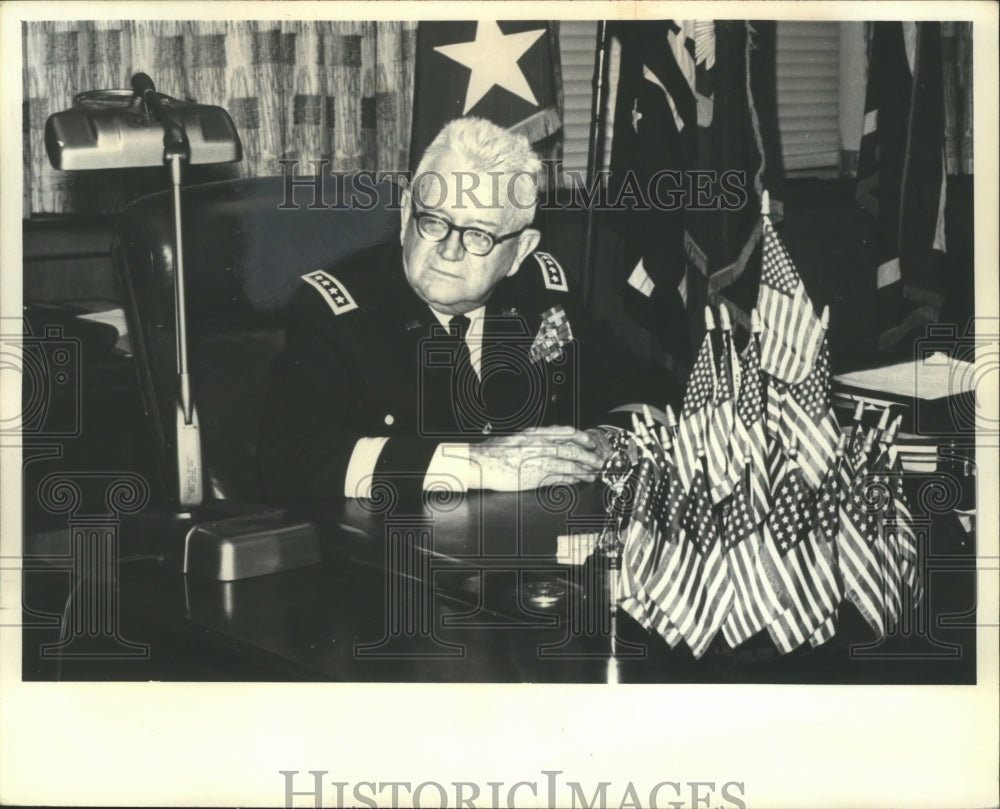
[{"x": 753, "y": 510}]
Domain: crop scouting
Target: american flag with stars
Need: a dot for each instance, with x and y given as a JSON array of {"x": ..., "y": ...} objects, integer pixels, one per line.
[
  {"x": 791, "y": 331},
  {"x": 759, "y": 517},
  {"x": 807, "y": 578},
  {"x": 705, "y": 591},
  {"x": 755, "y": 601},
  {"x": 878, "y": 494},
  {"x": 859, "y": 564},
  {"x": 638, "y": 554},
  {"x": 912, "y": 567},
  {"x": 723, "y": 471},
  {"x": 668, "y": 556},
  {"x": 694, "y": 413},
  {"x": 804, "y": 416},
  {"x": 689, "y": 557},
  {"x": 749, "y": 438}
]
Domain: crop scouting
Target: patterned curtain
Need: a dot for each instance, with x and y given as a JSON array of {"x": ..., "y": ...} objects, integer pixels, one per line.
[{"x": 335, "y": 91}]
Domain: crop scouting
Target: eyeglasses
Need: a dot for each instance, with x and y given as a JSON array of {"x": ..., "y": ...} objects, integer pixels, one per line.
[{"x": 474, "y": 240}]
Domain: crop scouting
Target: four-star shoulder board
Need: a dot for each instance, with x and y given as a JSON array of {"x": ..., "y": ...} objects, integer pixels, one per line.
[
  {"x": 334, "y": 293},
  {"x": 552, "y": 273}
]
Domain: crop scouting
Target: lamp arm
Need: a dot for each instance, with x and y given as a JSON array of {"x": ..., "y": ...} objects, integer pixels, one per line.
[{"x": 175, "y": 140}]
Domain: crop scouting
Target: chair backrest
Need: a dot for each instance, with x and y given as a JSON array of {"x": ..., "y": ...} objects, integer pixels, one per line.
[{"x": 246, "y": 244}]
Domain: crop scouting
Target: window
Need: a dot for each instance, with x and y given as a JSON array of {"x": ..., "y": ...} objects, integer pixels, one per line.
[
  {"x": 577, "y": 48},
  {"x": 819, "y": 91},
  {"x": 808, "y": 73}
]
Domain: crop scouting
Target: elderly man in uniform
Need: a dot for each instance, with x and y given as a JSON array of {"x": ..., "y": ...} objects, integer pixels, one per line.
[{"x": 458, "y": 358}]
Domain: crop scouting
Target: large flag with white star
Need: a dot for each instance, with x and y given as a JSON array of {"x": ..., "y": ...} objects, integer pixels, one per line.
[{"x": 498, "y": 70}]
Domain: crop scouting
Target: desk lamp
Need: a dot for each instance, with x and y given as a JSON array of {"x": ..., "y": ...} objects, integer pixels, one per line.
[{"x": 115, "y": 129}]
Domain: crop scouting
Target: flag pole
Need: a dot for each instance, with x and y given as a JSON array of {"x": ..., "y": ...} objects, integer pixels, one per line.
[{"x": 595, "y": 154}]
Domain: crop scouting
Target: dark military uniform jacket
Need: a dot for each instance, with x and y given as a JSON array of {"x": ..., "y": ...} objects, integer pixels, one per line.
[{"x": 364, "y": 356}]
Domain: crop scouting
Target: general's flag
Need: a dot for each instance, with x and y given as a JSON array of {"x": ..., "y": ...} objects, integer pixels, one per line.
[
  {"x": 498, "y": 70},
  {"x": 805, "y": 574},
  {"x": 791, "y": 331}
]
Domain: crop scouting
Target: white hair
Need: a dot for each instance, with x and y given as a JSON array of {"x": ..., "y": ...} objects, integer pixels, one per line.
[{"x": 485, "y": 147}]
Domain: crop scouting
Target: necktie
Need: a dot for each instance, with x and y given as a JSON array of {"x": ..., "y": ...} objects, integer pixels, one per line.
[
  {"x": 465, "y": 383},
  {"x": 459, "y": 325}
]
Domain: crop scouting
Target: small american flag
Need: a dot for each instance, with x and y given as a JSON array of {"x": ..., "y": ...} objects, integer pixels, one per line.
[
  {"x": 878, "y": 494},
  {"x": 756, "y": 602},
  {"x": 791, "y": 541},
  {"x": 749, "y": 438},
  {"x": 653, "y": 531},
  {"x": 694, "y": 414},
  {"x": 723, "y": 471},
  {"x": 802, "y": 414},
  {"x": 859, "y": 564},
  {"x": 640, "y": 540},
  {"x": 907, "y": 538},
  {"x": 791, "y": 331},
  {"x": 693, "y": 588}
]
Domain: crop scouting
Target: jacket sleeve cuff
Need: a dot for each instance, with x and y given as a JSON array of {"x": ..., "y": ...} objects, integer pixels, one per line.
[{"x": 402, "y": 466}]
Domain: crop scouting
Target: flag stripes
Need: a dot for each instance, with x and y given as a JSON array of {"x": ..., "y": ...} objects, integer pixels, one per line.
[
  {"x": 791, "y": 331},
  {"x": 753, "y": 516}
]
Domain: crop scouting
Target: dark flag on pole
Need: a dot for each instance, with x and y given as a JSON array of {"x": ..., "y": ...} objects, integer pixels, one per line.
[
  {"x": 655, "y": 130},
  {"x": 503, "y": 71},
  {"x": 901, "y": 175},
  {"x": 695, "y": 130}
]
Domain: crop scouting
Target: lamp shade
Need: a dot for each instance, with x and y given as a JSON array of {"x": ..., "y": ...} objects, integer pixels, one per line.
[{"x": 111, "y": 129}]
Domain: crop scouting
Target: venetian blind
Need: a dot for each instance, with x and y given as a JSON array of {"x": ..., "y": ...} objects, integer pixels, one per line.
[
  {"x": 808, "y": 88},
  {"x": 577, "y": 44},
  {"x": 808, "y": 74}
]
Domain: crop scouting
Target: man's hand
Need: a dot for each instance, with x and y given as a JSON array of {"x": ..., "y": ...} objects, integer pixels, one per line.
[{"x": 541, "y": 456}]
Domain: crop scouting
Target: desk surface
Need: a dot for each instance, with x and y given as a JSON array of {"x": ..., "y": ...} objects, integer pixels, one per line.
[{"x": 445, "y": 592}]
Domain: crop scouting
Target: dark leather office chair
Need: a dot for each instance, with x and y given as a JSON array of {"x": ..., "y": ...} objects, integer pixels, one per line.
[{"x": 246, "y": 244}]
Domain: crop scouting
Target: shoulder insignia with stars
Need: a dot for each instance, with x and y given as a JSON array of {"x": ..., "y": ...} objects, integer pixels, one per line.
[
  {"x": 552, "y": 272},
  {"x": 334, "y": 293}
]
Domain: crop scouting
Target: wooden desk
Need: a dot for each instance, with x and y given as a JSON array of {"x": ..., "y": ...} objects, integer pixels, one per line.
[{"x": 443, "y": 593}]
